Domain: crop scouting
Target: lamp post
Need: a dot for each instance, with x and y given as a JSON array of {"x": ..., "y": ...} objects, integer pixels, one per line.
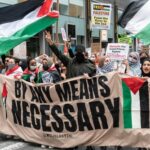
[
  {"x": 115, "y": 22},
  {"x": 88, "y": 18}
]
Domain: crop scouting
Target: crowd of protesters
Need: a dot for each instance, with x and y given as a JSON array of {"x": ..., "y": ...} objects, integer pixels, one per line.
[{"x": 45, "y": 69}]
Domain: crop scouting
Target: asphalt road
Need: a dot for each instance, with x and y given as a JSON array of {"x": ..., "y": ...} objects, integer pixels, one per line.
[{"x": 18, "y": 144}]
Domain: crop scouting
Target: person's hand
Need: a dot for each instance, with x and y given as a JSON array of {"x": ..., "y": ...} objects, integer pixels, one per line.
[
  {"x": 86, "y": 76},
  {"x": 18, "y": 77},
  {"x": 32, "y": 77},
  {"x": 43, "y": 56},
  {"x": 125, "y": 62},
  {"x": 145, "y": 78},
  {"x": 68, "y": 44},
  {"x": 48, "y": 38},
  {"x": 63, "y": 75}
]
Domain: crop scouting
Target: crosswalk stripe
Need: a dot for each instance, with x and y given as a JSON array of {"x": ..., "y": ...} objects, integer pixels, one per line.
[{"x": 14, "y": 146}]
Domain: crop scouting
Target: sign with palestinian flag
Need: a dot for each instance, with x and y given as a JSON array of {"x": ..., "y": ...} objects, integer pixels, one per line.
[
  {"x": 21, "y": 21},
  {"x": 104, "y": 110},
  {"x": 136, "y": 20},
  {"x": 100, "y": 15}
]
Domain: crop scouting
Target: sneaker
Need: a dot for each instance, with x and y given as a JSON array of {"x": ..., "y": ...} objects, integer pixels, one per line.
[
  {"x": 16, "y": 138},
  {"x": 43, "y": 146},
  {"x": 9, "y": 136},
  {"x": 50, "y": 147}
]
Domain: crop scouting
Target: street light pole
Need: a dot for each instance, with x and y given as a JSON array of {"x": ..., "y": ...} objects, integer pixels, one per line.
[
  {"x": 115, "y": 22},
  {"x": 88, "y": 18}
]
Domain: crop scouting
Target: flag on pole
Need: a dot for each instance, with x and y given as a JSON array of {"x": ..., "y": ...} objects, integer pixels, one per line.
[
  {"x": 136, "y": 20},
  {"x": 21, "y": 21}
]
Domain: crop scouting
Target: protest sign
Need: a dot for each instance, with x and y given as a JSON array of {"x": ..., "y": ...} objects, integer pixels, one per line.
[
  {"x": 64, "y": 36},
  {"x": 117, "y": 51},
  {"x": 79, "y": 111},
  {"x": 95, "y": 47},
  {"x": 100, "y": 15}
]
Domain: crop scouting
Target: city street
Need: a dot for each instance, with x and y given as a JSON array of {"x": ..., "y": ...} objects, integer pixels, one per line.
[
  {"x": 9, "y": 144},
  {"x": 74, "y": 75}
]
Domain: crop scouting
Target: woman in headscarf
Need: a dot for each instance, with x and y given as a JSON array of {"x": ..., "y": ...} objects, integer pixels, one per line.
[
  {"x": 105, "y": 65},
  {"x": 145, "y": 68},
  {"x": 30, "y": 74},
  {"x": 134, "y": 64}
]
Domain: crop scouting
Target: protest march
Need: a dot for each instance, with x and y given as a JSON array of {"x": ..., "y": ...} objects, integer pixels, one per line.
[{"x": 60, "y": 89}]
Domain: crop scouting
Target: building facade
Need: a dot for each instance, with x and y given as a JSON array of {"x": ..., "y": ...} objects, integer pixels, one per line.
[
  {"x": 75, "y": 19},
  {"x": 117, "y": 8}
]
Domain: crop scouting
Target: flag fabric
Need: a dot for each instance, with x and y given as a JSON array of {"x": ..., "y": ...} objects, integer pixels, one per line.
[
  {"x": 4, "y": 91},
  {"x": 135, "y": 101},
  {"x": 136, "y": 20},
  {"x": 21, "y": 21}
]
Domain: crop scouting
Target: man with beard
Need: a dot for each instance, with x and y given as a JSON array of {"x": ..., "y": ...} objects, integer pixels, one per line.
[{"x": 76, "y": 66}]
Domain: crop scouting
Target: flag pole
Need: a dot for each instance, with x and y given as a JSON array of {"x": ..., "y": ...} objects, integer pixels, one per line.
[{"x": 57, "y": 37}]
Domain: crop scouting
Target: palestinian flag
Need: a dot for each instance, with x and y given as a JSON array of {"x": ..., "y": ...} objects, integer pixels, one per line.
[
  {"x": 135, "y": 103},
  {"x": 136, "y": 20},
  {"x": 21, "y": 21}
]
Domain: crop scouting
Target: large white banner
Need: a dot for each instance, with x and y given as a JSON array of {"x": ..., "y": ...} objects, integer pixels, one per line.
[{"x": 107, "y": 110}]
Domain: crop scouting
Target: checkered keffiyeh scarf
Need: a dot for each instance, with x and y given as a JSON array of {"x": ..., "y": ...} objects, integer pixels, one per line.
[{"x": 106, "y": 68}]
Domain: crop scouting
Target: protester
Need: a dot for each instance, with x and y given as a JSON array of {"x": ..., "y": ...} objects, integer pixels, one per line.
[
  {"x": 145, "y": 68},
  {"x": 63, "y": 71},
  {"x": 30, "y": 74},
  {"x": 49, "y": 73},
  {"x": 5, "y": 61},
  {"x": 13, "y": 70},
  {"x": 134, "y": 64},
  {"x": 39, "y": 60},
  {"x": 76, "y": 66},
  {"x": 1, "y": 65},
  {"x": 105, "y": 65},
  {"x": 143, "y": 55},
  {"x": 23, "y": 64}
]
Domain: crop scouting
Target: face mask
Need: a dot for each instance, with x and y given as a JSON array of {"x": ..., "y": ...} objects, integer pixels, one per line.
[
  {"x": 10, "y": 66},
  {"x": 45, "y": 67},
  {"x": 80, "y": 57},
  {"x": 32, "y": 68}
]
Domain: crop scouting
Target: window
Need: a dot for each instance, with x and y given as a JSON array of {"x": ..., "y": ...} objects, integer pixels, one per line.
[
  {"x": 76, "y": 8},
  {"x": 63, "y": 6},
  {"x": 71, "y": 31}
]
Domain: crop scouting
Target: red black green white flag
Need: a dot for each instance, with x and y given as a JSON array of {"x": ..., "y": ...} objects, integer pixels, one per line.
[
  {"x": 136, "y": 20},
  {"x": 135, "y": 103},
  {"x": 21, "y": 21}
]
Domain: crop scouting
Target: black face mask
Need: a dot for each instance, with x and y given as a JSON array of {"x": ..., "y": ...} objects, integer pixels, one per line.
[
  {"x": 45, "y": 67},
  {"x": 80, "y": 57}
]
